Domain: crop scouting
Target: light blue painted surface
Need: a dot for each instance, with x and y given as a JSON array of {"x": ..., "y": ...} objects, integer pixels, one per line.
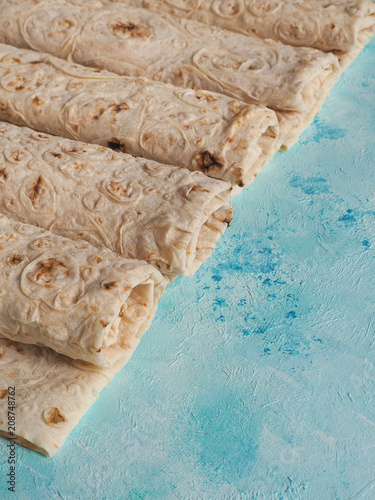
[{"x": 257, "y": 377}]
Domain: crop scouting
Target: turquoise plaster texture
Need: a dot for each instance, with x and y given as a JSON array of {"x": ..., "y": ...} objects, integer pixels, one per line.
[{"x": 257, "y": 377}]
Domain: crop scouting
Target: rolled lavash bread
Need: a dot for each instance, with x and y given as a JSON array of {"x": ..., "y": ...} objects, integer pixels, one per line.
[
  {"x": 170, "y": 217},
  {"x": 293, "y": 123},
  {"x": 53, "y": 392},
  {"x": 325, "y": 25},
  {"x": 200, "y": 130},
  {"x": 137, "y": 42},
  {"x": 82, "y": 302}
]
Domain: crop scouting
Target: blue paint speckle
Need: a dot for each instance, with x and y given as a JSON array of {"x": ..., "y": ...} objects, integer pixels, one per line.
[
  {"x": 310, "y": 185},
  {"x": 219, "y": 302},
  {"x": 366, "y": 243},
  {"x": 217, "y": 278},
  {"x": 246, "y": 333},
  {"x": 291, "y": 314},
  {"x": 260, "y": 330},
  {"x": 348, "y": 217},
  {"x": 326, "y": 131}
]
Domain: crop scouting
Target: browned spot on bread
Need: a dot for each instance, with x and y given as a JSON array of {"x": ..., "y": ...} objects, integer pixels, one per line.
[
  {"x": 116, "y": 145},
  {"x": 57, "y": 155},
  {"x": 104, "y": 323},
  {"x": 95, "y": 308},
  {"x": 4, "y": 174},
  {"x": 15, "y": 259},
  {"x": 54, "y": 417},
  {"x": 99, "y": 113},
  {"x": 116, "y": 108},
  {"x": 75, "y": 150},
  {"x": 3, "y": 393},
  {"x": 131, "y": 29},
  {"x": 17, "y": 155},
  {"x": 123, "y": 310},
  {"x": 207, "y": 97},
  {"x": 12, "y": 60},
  {"x": 118, "y": 188},
  {"x": 98, "y": 259},
  {"x": 110, "y": 285},
  {"x": 229, "y": 140},
  {"x": 66, "y": 23},
  {"x": 206, "y": 160},
  {"x": 36, "y": 190},
  {"x": 37, "y": 101},
  {"x": 50, "y": 270}
]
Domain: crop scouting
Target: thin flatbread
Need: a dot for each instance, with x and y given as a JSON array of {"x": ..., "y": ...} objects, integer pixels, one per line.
[
  {"x": 293, "y": 123},
  {"x": 138, "y": 42},
  {"x": 53, "y": 393},
  {"x": 170, "y": 217},
  {"x": 82, "y": 302},
  {"x": 325, "y": 25},
  {"x": 200, "y": 130}
]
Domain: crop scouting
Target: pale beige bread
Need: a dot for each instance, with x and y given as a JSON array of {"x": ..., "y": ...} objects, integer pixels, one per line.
[
  {"x": 137, "y": 42},
  {"x": 292, "y": 123},
  {"x": 53, "y": 392},
  {"x": 78, "y": 300},
  {"x": 200, "y": 130},
  {"x": 170, "y": 217},
  {"x": 323, "y": 24}
]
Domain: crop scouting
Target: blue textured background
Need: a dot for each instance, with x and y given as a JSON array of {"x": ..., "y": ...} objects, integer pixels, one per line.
[{"x": 257, "y": 377}]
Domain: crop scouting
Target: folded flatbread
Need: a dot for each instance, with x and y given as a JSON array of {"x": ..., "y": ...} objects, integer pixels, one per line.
[
  {"x": 325, "y": 25},
  {"x": 170, "y": 217},
  {"x": 137, "y": 42},
  {"x": 293, "y": 123},
  {"x": 200, "y": 130},
  {"x": 53, "y": 392},
  {"x": 80, "y": 301}
]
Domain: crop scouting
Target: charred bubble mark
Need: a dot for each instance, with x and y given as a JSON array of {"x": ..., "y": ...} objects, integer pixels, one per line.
[
  {"x": 36, "y": 191},
  {"x": 37, "y": 101},
  {"x": 50, "y": 270},
  {"x": 3, "y": 174},
  {"x": 117, "y": 145},
  {"x": 117, "y": 108},
  {"x": 111, "y": 285},
  {"x": 130, "y": 29},
  {"x": 207, "y": 160},
  {"x": 15, "y": 259},
  {"x": 54, "y": 417}
]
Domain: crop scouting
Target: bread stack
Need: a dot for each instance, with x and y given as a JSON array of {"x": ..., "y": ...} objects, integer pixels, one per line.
[{"x": 126, "y": 128}]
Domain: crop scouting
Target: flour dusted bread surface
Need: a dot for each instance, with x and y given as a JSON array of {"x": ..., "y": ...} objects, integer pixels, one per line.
[
  {"x": 200, "y": 130},
  {"x": 170, "y": 217},
  {"x": 138, "y": 42},
  {"x": 324, "y": 24},
  {"x": 53, "y": 392},
  {"x": 80, "y": 301}
]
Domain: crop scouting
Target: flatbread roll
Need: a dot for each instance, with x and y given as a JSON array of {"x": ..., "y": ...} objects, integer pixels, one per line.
[
  {"x": 137, "y": 42},
  {"x": 53, "y": 393},
  {"x": 293, "y": 123},
  {"x": 82, "y": 302},
  {"x": 200, "y": 130},
  {"x": 323, "y": 24},
  {"x": 170, "y": 217}
]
